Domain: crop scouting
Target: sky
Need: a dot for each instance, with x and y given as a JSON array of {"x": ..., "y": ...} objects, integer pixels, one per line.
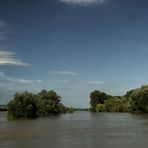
[{"x": 73, "y": 47}]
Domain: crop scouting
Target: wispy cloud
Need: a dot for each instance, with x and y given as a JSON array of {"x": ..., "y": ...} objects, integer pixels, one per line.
[
  {"x": 8, "y": 58},
  {"x": 65, "y": 72},
  {"x": 83, "y": 2},
  {"x": 63, "y": 81},
  {"x": 96, "y": 82},
  {"x": 17, "y": 80}
]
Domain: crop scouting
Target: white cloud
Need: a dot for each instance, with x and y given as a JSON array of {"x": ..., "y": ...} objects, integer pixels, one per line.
[
  {"x": 83, "y": 2},
  {"x": 63, "y": 81},
  {"x": 96, "y": 82},
  {"x": 65, "y": 72},
  {"x": 8, "y": 58},
  {"x": 17, "y": 80}
]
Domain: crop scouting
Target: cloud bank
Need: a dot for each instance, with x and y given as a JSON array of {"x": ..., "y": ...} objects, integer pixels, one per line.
[
  {"x": 83, "y": 2},
  {"x": 8, "y": 58}
]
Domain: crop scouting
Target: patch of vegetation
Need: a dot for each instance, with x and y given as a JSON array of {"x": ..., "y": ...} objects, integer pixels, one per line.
[
  {"x": 135, "y": 101},
  {"x": 28, "y": 105}
]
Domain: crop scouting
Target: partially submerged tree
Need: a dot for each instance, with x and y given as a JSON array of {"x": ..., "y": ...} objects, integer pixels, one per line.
[
  {"x": 48, "y": 102},
  {"x": 28, "y": 105},
  {"x": 22, "y": 106}
]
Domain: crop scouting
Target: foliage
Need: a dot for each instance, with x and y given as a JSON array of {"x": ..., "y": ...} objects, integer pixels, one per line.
[
  {"x": 28, "y": 105},
  {"x": 129, "y": 93},
  {"x": 139, "y": 100},
  {"x": 70, "y": 109},
  {"x": 23, "y": 105},
  {"x": 48, "y": 102},
  {"x": 100, "y": 108},
  {"x": 135, "y": 101},
  {"x": 97, "y": 97},
  {"x": 116, "y": 104},
  {"x": 62, "y": 108}
]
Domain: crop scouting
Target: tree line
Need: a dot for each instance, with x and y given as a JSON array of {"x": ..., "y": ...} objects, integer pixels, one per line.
[
  {"x": 134, "y": 101},
  {"x": 46, "y": 103}
]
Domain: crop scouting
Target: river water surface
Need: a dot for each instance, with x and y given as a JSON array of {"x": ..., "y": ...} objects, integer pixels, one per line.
[{"x": 78, "y": 130}]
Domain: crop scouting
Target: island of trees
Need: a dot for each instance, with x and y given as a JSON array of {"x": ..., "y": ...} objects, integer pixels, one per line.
[
  {"x": 134, "y": 101},
  {"x": 28, "y": 105}
]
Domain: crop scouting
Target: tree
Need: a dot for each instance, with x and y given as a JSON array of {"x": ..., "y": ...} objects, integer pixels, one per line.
[
  {"x": 100, "y": 108},
  {"x": 48, "y": 103},
  {"x": 97, "y": 97},
  {"x": 23, "y": 105},
  {"x": 28, "y": 105},
  {"x": 139, "y": 100},
  {"x": 116, "y": 104},
  {"x": 129, "y": 93}
]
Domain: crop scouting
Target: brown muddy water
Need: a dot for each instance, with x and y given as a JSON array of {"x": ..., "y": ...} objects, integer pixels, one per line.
[{"x": 78, "y": 130}]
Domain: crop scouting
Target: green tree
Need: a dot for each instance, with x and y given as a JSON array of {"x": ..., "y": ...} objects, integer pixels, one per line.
[
  {"x": 97, "y": 97},
  {"x": 139, "y": 100},
  {"x": 48, "y": 103},
  {"x": 129, "y": 93},
  {"x": 116, "y": 104},
  {"x": 100, "y": 108},
  {"x": 28, "y": 105},
  {"x": 23, "y": 105}
]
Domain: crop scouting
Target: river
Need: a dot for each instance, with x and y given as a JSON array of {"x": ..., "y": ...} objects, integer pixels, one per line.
[{"x": 78, "y": 130}]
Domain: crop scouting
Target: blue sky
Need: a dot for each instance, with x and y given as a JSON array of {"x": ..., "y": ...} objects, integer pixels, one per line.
[{"x": 73, "y": 47}]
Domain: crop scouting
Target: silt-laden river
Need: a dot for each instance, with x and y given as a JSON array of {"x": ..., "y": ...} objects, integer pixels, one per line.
[{"x": 78, "y": 130}]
